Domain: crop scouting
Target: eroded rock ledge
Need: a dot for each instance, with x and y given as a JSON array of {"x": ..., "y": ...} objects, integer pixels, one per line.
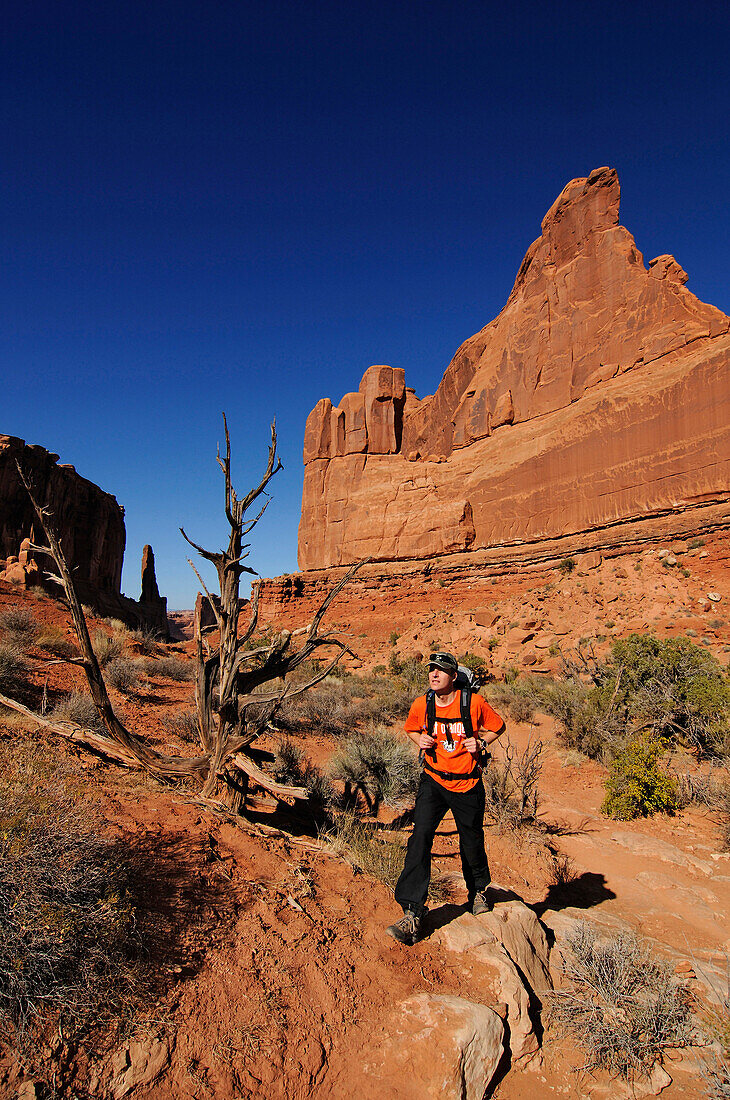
[{"x": 598, "y": 396}]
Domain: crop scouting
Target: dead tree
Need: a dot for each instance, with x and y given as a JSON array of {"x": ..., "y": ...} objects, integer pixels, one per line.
[{"x": 238, "y": 688}]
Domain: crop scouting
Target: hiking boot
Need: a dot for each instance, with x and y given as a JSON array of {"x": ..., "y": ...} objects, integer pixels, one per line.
[
  {"x": 481, "y": 903},
  {"x": 406, "y": 929}
]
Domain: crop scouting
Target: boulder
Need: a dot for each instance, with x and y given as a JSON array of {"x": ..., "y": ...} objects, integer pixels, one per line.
[
  {"x": 438, "y": 1047},
  {"x": 511, "y": 947},
  {"x": 486, "y": 618}
]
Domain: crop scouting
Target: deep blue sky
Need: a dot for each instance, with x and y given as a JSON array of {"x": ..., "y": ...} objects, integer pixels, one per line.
[{"x": 241, "y": 206}]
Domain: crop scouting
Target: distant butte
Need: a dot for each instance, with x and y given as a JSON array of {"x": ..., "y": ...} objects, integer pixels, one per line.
[
  {"x": 90, "y": 526},
  {"x": 599, "y": 397}
]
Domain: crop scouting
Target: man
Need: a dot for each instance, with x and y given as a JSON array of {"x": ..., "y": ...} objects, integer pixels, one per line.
[{"x": 451, "y": 780}]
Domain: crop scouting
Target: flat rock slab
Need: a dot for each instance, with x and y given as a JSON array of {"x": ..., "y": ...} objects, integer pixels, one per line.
[
  {"x": 439, "y": 1048},
  {"x": 650, "y": 848},
  {"x": 694, "y": 895}
]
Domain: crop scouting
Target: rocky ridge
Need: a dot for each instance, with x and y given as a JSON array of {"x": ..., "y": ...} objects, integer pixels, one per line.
[{"x": 597, "y": 398}]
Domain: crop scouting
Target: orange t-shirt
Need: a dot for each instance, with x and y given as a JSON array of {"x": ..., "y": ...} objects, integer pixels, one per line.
[{"x": 451, "y": 755}]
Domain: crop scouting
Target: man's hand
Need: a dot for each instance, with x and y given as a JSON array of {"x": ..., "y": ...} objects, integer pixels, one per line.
[
  {"x": 425, "y": 741},
  {"x": 471, "y": 745}
]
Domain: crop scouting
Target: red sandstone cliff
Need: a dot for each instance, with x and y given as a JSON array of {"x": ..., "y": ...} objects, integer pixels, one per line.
[
  {"x": 90, "y": 525},
  {"x": 598, "y": 396},
  {"x": 88, "y": 520}
]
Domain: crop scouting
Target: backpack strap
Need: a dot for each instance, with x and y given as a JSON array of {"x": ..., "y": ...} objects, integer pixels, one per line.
[
  {"x": 430, "y": 711},
  {"x": 466, "y": 712},
  {"x": 430, "y": 722}
]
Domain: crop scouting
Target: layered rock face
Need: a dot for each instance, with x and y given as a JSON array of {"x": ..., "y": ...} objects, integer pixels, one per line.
[
  {"x": 599, "y": 396},
  {"x": 89, "y": 521},
  {"x": 90, "y": 526}
]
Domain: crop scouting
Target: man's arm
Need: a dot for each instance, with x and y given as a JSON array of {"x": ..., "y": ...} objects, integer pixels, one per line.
[{"x": 419, "y": 736}]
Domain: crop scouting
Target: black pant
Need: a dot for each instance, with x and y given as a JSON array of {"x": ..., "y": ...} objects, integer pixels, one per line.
[{"x": 432, "y": 802}]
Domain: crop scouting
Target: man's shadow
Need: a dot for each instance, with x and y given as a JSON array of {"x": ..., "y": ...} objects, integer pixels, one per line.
[{"x": 582, "y": 892}]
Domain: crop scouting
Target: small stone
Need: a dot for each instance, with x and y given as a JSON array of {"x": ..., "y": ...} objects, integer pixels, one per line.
[{"x": 714, "y": 596}]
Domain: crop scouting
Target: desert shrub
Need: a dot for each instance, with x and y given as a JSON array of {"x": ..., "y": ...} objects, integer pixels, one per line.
[
  {"x": 384, "y": 764},
  {"x": 67, "y": 928},
  {"x": 183, "y": 724},
  {"x": 170, "y": 668},
  {"x": 291, "y": 765},
  {"x": 622, "y": 1005},
  {"x": 566, "y": 566},
  {"x": 408, "y": 672},
  {"x": 146, "y": 640},
  {"x": 519, "y": 698},
  {"x": 79, "y": 708},
  {"x": 14, "y": 669},
  {"x": 511, "y": 786},
  {"x": 337, "y": 707},
  {"x": 636, "y": 785},
  {"x": 55, "y": 640},
  {"x": 122, "y": 674},
  {"x": 20, "y": 626},
  {"x": 581, "y": 724},
  {"x": 671, "y": 685},
  {"x": 107, "y": 647},
  {"x": 473, "y": 663},
  {"x": 696, "y": 789}
]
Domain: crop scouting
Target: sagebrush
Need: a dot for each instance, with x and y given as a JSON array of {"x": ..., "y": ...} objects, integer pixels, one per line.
[
  {"x": 383, "y": 764},
  {"x": 621, "y": 1004}
]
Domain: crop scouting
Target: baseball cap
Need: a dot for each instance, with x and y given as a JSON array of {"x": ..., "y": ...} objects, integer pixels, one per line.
[{"x": 445, "y": 661}]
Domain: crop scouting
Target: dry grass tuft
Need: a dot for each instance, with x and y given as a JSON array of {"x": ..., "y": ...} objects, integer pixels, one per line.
[
  {"x": 170, "y": 668},
  {"x": 14, "y": 670},
  {"x": 107, "y": 647},
  {"x": 292, "y": 766},
  {"x": 123, "y": 674},
  {"x": 19, "y": 626},
  {"x": 68, "y": 938},
  {"x": 79, "y": 708},
  {"x": 184, "y": 724},
  {"x": 55, "y": 640},
  {"x": 378, "y": 854},
  {"x": 622, "y": 1005}
]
